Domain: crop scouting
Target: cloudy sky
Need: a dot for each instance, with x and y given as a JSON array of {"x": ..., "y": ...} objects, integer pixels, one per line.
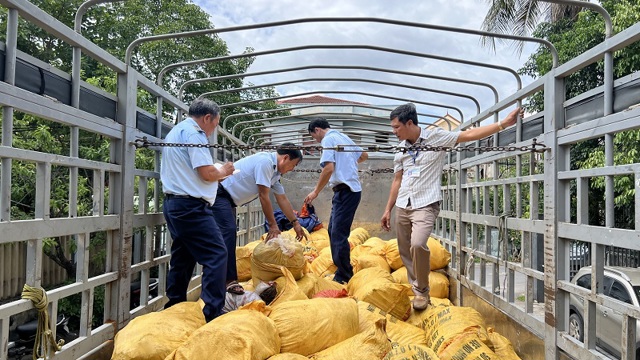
[{"x": 461, "y": 14}]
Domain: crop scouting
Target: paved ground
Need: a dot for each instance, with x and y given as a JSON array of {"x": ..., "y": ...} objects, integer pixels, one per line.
[{"x": 520, "y": 286}]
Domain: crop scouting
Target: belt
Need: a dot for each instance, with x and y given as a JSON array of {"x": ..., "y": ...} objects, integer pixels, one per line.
[
  {"x": 341, "y": 187},
  {"x": 222, "y": 192},
  {"x": 175, "y": 196}
]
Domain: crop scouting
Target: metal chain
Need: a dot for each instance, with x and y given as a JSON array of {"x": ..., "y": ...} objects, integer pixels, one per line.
[
  {"x": 370, "y": 172},
  {"x": 534, "y": 147}
]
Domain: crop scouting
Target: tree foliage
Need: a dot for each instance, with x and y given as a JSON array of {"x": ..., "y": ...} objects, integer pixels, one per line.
[
  {"x": 572, "y": 37},
  {"x": 113, "y": 26}
]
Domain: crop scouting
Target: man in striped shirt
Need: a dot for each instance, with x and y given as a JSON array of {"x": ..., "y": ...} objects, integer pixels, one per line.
[
  {"x": 415, "y": 189},
  {"x": 340, "y": 171}
]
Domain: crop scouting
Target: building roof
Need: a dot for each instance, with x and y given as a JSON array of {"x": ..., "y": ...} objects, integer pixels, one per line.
[
  {"x": 318, "y": 99},
  {"x": 444, "y": 122}
]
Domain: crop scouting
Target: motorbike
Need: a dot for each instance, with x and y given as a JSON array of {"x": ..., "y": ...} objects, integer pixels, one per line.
[{"x": 22, "y": 340}]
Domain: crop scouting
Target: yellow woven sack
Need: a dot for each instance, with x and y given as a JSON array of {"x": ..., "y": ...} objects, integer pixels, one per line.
[
  {"x": 411, "y": 352},
  {"x": 325, "y": 283},
  {"x": 373, "y": 245},
  {"x": 404, "y": 334},
  {"x": 240, "y": 334},
  {"x": 270, "y": 256},
  {"x": 438, "y": 285},
  {"x": 155, "y": 335},
  {"x": 467, "y": 347},
  {"x": 319, "y": 245},
  {"x": 368, "y": 315},
  {"x": 288, "y": 356},
  {"x": 438, "y": 282},
  {"x": 243, "y": 260},
  {"x": 417, "y": 317},
  {"x": 323, "y": 264},
  {"x": 287, "y": 289},
  {"x": 501, "y": 345},
  {"x": 369, "y": 260},
  {"x": 372, "y": 344},
  {"x": 320, "y": 234},
  {"x": 307, "y": 284},
  {"x": 440, "y": 257},
  {"x": 443, "y": 325},
  {"x": 376, "y": 286},
  {"x": 360, "y": 233},
  {"x": 398, "y": 331},
  {"x": 392, "y": 254},
  {"x": 292, "y": 233},
  {"x": 308, "y": 326}
]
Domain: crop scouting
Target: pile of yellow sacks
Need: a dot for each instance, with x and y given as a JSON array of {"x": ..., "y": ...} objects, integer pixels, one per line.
[{"x": 375, "y": 321}]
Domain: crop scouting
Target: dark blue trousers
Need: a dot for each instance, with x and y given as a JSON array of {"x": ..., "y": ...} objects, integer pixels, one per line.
[
  {"x": 343, "y": 209},
  {"x": 225, "y": 214},
  {"x": 196, "y": 238}
]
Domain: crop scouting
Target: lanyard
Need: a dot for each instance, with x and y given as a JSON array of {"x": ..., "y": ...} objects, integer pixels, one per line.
[{"x": 414, "y": 154}]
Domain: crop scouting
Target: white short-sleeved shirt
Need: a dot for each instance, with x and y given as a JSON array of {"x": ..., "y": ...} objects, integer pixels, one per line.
[
  {"x": 178, "y": 164},
  {"x": 345, "y": 163},
  {"x": 257, "y": 169},
  {"x": 422, "y": 170}
]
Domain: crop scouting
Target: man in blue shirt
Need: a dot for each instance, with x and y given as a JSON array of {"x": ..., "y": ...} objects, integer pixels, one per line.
[
  {"x": 190, "y": 181},
  {"x": 259, "y": 174},
  {"x": 340, "y": 171}
]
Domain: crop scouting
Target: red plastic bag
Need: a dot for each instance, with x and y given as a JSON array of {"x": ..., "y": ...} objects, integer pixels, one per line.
[{"x": 332, "y": 293}]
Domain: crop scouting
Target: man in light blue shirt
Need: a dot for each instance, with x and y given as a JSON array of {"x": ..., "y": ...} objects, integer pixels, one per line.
[
  {"x": 259, "y": 174},
  {"x": 340, "y": 171},
  {"x": 189, "y": 181}
]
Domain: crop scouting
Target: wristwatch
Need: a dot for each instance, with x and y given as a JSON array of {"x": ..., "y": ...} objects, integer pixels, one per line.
[{"x": 293, "y": 221}]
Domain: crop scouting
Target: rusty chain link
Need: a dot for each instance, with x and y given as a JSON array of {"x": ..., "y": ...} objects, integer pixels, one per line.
[
  {"x": 534, "y": 147},
  {"x": 370, "y": 171}
]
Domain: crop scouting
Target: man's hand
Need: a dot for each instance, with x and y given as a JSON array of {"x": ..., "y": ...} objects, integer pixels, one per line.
[
  {"x": 299, "y": 231},
  {"x": 512, "y": 118},
  {"x": 385, "y": 221},
  {"x": 312, "y": 196},
  {"x": 227, "y": 169},
  {"x": 273, "y": 232}
]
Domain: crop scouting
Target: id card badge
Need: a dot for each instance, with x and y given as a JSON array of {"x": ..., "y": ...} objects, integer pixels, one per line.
[{"x": 414, "y": 172}]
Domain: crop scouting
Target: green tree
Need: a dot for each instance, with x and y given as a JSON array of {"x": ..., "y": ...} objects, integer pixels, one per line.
[
  {"x": 113, "y": 27},
  {"x": 573, "y": 36},
  {"x": 521, "y": 17}
]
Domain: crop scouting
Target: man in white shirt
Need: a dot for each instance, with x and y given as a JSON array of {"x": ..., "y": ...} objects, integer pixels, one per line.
[
  {"x": 190, "y": 181},
  {"x": 259, "y": 174},
  {"x": 415, "y": 189},
  {"x": 340, "y": 171}
]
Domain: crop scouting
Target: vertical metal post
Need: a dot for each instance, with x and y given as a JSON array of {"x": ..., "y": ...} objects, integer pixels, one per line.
[
  {"x": 553, "y": 213},
  {"x": 461, "y": 236},
  {"x": 123, "y": 191},
  {"x": 7, "y": 113}
]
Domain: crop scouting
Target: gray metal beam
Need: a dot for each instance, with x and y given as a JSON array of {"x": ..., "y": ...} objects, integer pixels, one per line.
[
  {"x": 344, "y": 92},
  {"x": 340, "y": 47},
  {"x": 139, "y": 41},
  {"x": 345, "y": 115},
  {"x": 338, "y": 67},
  {"x": 233, "y": 116},
  {"x": 473, "y": 99}
]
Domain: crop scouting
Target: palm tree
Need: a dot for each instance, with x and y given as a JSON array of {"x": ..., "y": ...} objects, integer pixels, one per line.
[{"x": 521, "y": 17}]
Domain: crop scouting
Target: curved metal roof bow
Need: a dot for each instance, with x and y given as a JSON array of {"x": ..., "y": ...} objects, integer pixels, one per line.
[
  {"x": 139, "y": 41},
  {"x": 164, "y": 70},
  {"x": 473, "y": 99},
  {"x": 346, "y": 92},
  {"x": 340, "y": 67}
]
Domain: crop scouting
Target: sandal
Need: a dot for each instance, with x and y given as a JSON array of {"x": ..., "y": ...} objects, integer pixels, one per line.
[{"x": 235, "y": 288}]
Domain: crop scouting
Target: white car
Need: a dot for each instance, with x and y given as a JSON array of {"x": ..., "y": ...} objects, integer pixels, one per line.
[{"x": 620, "y": 283}]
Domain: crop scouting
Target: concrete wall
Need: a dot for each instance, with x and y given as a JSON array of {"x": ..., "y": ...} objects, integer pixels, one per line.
[{"x": 375, "y": 192}]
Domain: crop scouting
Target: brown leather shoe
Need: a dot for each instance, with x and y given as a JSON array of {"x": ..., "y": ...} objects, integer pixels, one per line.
[{"x": 420, "y": 302}]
